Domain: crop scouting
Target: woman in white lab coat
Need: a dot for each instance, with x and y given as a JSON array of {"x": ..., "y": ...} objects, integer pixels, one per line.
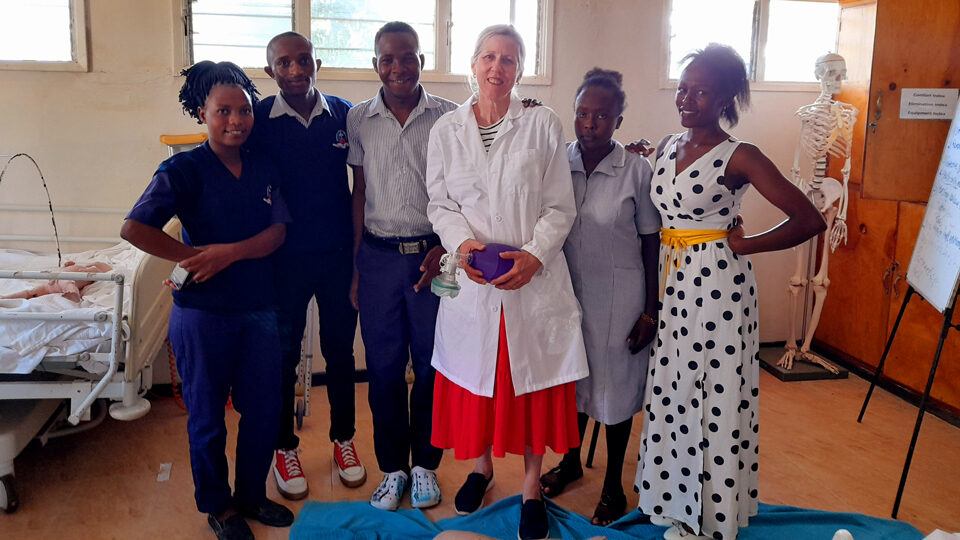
[{"x": 507, "y": 352}]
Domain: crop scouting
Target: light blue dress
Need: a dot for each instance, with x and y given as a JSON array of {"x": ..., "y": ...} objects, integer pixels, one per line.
[{"x": 603, "y": 253}]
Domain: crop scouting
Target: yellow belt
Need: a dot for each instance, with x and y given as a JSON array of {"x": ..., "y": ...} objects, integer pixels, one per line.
[{"x": 678, "y": 240}]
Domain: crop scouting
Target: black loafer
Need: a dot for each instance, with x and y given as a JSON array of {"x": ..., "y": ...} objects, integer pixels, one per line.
[
  {"x": 470, "y": 497},
  {"x": 533, "y": 520},
  {"x": 269, "y": 513},
  {"x": 231, "y": 528}
]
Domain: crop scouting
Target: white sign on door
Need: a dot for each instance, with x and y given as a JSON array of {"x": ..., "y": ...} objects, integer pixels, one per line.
[{"x": 928, "y": 103}]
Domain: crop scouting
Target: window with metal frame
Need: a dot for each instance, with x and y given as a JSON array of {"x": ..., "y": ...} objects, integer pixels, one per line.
[
  {"x": 47, "y": 35},
  {"x": 343, "y": 30},
  {"x": 779, "y": 40}
]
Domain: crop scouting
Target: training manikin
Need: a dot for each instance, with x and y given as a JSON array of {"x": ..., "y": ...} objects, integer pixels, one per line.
[{"x": 826, "y": 129}]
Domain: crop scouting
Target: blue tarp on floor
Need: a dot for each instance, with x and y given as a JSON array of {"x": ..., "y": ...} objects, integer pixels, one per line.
[{"x": 359, "y": 520}]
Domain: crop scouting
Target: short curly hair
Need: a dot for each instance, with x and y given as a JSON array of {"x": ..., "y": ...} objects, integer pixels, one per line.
[
  {"x": 730, "y": 73},
  {"x": 394, "y": 27}
]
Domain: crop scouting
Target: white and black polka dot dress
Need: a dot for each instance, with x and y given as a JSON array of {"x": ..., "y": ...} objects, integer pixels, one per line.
[{"x": 699, "y": 454}]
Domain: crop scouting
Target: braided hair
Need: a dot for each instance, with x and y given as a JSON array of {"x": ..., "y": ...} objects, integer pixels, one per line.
[
  {"x": 203, "y": 76},
  {"x": 609, "y": 79},
  {"x": 730, "y": 73}
]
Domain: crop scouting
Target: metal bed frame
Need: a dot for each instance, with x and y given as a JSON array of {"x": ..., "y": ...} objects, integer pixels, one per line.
[{"x": 34, "y": 404}]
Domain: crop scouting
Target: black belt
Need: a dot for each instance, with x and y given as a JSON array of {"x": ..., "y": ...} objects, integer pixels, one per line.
[{"x": 406, "y": 245}]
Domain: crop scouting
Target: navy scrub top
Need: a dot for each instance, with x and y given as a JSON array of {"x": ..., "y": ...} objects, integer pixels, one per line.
[{"x": 215, "y": 207}]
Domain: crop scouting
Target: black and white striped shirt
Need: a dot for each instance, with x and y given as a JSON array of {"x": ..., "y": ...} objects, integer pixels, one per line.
[
  {"x": 394, "y": 161},
  {"x": 489, "y": 133}
]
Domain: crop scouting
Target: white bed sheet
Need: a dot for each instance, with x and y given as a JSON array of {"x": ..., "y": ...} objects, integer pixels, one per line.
[{"x": 23, "y": 344}]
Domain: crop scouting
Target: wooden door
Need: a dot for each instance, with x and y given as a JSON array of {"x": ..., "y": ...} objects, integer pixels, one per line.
[
  {"x": 854, "y": 320},
  {"x": 917, "y": 45},
  {"x": 913, "y": 349}
]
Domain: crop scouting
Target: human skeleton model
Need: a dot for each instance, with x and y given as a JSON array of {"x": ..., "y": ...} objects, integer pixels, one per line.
[{"x": 826, "y": 130}]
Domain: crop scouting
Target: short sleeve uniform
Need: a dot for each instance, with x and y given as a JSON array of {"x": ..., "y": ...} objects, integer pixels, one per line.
[
  {"x": 313, "y": 164},
  {"x": 394, "y": 160},
  {"x": 603, "y": 253},
  {"x": 216, "y": 207}
]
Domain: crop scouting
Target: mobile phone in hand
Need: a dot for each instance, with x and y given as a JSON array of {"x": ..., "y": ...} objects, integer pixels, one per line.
[{"x": 180, "y": 277}]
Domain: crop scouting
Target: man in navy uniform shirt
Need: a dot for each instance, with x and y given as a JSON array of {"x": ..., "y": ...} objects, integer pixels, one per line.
[{"x": 305, "y": 131}]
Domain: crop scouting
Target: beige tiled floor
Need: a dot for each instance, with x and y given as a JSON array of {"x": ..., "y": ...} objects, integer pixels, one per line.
[{"x": 103, "y": 483}]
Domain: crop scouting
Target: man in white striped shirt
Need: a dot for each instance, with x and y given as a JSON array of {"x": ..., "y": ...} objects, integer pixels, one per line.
[{"x": 397, "y": 254}]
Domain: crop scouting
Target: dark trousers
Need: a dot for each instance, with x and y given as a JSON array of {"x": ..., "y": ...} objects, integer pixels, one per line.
[
  {"x": 219, "y": 354},
  {"x": 397, "y": 324},
  {"x": 325, "y": 276}
]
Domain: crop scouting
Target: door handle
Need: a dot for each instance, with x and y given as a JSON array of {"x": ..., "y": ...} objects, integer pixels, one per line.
[
  {"x": 896, "y": 281},
  {"x": 889, "y": 273}
]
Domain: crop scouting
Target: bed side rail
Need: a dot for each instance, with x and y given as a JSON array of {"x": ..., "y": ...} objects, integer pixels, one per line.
[{"x": 79, "y": 404}]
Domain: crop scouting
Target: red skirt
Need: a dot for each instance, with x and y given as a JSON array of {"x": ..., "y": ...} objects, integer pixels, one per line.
[{"x": 470, "y": 424}]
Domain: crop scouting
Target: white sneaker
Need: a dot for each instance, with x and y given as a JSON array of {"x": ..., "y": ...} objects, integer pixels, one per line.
[
  {"x": 424, "y": 489},
  {"x": 291, "y": 483},
  {"x": 347, "y": 462},
  {"x": 388, "y": 494},
  {"x": 676, "y": 532},
  {"x": 661, "y": 521}
]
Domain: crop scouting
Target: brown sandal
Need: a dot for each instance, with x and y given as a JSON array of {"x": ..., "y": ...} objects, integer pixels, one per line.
[
  {"x": 609, "y": 509},
  {"x": 554, "y": 481}
]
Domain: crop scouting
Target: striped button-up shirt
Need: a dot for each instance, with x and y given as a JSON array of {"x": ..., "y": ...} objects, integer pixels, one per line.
[{"x": 394, "y": 161}]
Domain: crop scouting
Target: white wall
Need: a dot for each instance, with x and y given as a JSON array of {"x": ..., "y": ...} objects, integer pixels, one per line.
[{"x": 95, "y": 134}]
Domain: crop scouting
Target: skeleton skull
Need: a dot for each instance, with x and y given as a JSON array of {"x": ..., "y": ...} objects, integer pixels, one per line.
[{"x": 830, "y": 70}]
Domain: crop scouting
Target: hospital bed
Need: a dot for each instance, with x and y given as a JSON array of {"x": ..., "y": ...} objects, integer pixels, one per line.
[{"x": 58, "y": 357}]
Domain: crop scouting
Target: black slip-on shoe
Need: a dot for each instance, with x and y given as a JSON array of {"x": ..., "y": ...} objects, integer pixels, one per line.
[
  {"x": 231, "y": 528},
  {"x": 533, "y": 520},
  {"x": 470, "y": 497},
  {"x": 269, "y": 513}
]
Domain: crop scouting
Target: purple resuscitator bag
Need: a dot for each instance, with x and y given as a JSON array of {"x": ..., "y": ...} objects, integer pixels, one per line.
[{"x": 490, "y": 263}]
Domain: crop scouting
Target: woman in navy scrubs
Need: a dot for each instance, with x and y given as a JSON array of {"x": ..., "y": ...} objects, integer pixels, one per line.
[{"x": 223, "y": 327}]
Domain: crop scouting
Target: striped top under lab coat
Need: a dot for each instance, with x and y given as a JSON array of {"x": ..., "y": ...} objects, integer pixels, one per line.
[
  {"x": 489, "y": 133},
  {"x": 394, "y": 161}
]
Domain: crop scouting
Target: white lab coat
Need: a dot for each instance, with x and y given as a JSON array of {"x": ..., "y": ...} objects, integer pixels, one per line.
[{"x": 519, "y": 194}]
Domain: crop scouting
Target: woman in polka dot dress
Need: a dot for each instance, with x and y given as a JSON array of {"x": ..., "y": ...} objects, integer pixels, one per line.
[{"x": 699, "y": 453}]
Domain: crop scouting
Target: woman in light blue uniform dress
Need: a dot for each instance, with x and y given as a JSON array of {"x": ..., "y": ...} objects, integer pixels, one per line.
[{"x": 614, "y": 238}]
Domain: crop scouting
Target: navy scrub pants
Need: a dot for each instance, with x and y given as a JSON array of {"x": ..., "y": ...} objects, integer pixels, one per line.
[
  {"x": 397, "y": 324},
  {"x": 325, "y": 275},
  {"x": 219, "y": 354}
]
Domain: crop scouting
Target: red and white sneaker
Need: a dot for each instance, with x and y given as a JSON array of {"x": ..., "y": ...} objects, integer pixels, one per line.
[
  {"x": 291, "y": 483},
  {"x": 348, "y": 465}
]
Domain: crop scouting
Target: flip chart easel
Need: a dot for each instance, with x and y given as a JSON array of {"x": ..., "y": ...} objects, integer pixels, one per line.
[{"x": 934, "y": 274}]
